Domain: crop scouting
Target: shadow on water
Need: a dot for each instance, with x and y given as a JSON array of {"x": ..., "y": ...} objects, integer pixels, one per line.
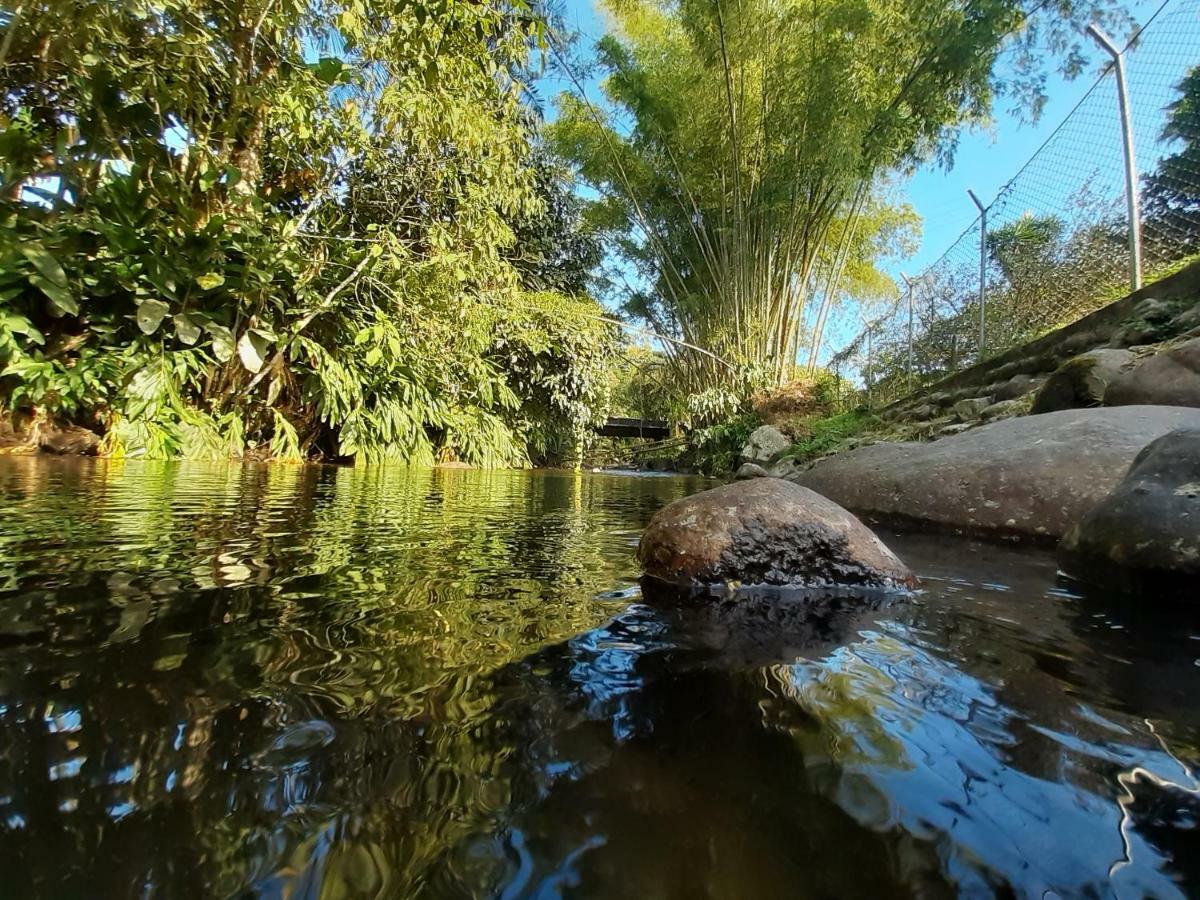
[{"x": 304, "y": 682}]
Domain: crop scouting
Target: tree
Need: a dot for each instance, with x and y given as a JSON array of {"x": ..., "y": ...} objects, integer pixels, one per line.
[
  {"x": 234, "y": 224},
  {"x": 1171, "y": 195},
  {"x": 741, "y": 142}
]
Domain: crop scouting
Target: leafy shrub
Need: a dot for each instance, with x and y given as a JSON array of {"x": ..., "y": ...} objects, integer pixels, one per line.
[{"x": 296, "y": 259}]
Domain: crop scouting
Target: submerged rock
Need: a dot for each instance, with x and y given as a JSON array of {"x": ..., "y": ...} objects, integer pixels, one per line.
[
  {"x": 1145, "y": 535},
  {"x": 1169, "y": 379},
  {"x": 1082, "y": 381},
  {"x": 1032, "y": 476},
  {"x": 765, "y": 531},
  {"x": 766, "y": 442}
]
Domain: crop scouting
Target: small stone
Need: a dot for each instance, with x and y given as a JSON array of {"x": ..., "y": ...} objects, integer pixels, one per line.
[
  {"x": 751, "y": 470},
  {"x": 1145, "y": 535},
  {"x": 955, "y": 428},
  {"x": 1019, "y": 386},
  {"x": 766, "y": 442},
  {"x": 765, "y": 531},
  {"x": 970, "y": 409},
  {"x": 1002, "y": 410}
]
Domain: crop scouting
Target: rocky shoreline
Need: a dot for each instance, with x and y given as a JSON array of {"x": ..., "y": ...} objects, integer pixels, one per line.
[{"x": 1087, "y": 439}]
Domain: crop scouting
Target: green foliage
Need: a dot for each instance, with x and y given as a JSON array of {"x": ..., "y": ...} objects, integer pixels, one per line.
[
  {"x": 714, "y": 450},
  {"x": 820, "y": 436},
  {"x": 213, "y": 241},
  {"x": 1171, "y": 197}
]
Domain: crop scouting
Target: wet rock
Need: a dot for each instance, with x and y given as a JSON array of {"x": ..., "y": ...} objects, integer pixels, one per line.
[
  {"x": 765, "y": 531},
  {"x": 1030, "y": 476},
  {"x": 67, "y": 439},
  {"x": 765, "y": 442},
  {"x": 1145, "y": 535},
  {"x": 1019, "y": 386},
  {"x": 970, "y": 409},
  {"x": 751, "y": 470},
  {"x": 1081, "y": 381},
  {"x": 1168, "y": 379}
]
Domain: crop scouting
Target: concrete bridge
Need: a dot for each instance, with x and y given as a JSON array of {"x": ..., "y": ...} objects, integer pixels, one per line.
[{"x": 617, "y": 426}]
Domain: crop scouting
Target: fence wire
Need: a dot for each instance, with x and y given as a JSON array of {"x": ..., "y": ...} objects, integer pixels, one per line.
[{"x": 1056, "y": 245}]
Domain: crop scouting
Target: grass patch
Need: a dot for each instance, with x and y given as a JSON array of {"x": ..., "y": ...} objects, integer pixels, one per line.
[{"x": 820, "y": 436}]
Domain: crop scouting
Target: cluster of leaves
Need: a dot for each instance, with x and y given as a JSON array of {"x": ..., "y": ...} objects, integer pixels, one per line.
[
  {"x": 821, "y": 435},
  {"x": 714, "y": 450},
  {"x": 214, "y": 238}
]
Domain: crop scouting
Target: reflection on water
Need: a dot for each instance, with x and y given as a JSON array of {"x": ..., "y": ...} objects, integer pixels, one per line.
[{"x": 327, "y": 683}]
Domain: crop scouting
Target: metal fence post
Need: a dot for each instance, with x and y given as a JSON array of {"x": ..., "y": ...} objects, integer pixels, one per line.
[
  {"x": 870, "y": 363},
  {"x": 908, "y": 281},
  {"x": 982, "y": 272},
  {"x": 1131, "y": 184}
]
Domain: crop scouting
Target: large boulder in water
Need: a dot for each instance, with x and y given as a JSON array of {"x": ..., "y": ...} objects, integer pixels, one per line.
[
  {"x": 1169, "y": 379},
  {"x": 1031, "y": 477},
  {"x": 765, "y": 531},
  {"x": 1145, "y": 535}
]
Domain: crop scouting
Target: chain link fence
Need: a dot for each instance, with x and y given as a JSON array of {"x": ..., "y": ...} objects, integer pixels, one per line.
[{"x": 1054, "y": 244}]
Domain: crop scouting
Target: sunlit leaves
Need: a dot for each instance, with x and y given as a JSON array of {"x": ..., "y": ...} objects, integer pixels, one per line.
[
  {"x": 252, "y": 350},
  {"x": 150, "y": 314},
  {"x": 293, "y": 226}
]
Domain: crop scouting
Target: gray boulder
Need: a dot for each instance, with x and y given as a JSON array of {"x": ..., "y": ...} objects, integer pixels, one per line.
[
  {"x": 765, "y": 442},
  {"x": 1082, "y": 381},
  {"x": 765, "y": 531},
  {"x": 1168, "y": 379},
  {"x": 1019, "y": 386},
  {"x": 1145, "y": 535},
  {"x": 1030, "y": 476},
  {"x": 751, "y": 470}
]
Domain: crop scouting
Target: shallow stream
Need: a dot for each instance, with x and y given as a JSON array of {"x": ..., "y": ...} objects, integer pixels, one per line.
[{"x": 312, "y": 682}]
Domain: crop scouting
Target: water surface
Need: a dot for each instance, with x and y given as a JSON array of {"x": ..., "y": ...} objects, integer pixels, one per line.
[{"x": 311, "y": 682}]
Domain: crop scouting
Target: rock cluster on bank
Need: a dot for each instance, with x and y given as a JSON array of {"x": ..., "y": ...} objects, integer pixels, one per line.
[{"x": 1029, "y": 477}]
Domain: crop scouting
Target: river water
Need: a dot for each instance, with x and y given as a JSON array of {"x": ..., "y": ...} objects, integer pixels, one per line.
[{"x": 308, "y": 682}]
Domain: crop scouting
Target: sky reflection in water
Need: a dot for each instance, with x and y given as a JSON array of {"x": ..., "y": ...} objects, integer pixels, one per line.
[{"x": 317, "y": 682}]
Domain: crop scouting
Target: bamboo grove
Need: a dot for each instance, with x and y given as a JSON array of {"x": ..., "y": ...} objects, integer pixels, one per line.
[{"x": 742, "y": 151}]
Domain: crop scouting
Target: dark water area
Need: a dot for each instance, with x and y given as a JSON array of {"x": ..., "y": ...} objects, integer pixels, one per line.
[{"x": 302, "y": 682}]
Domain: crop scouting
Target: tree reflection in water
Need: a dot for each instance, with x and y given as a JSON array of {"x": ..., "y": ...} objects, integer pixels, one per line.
[{"x": 330, "y": 683}]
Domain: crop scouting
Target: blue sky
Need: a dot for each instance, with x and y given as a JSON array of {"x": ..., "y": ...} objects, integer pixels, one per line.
[{"x": 987, "y": 158}]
